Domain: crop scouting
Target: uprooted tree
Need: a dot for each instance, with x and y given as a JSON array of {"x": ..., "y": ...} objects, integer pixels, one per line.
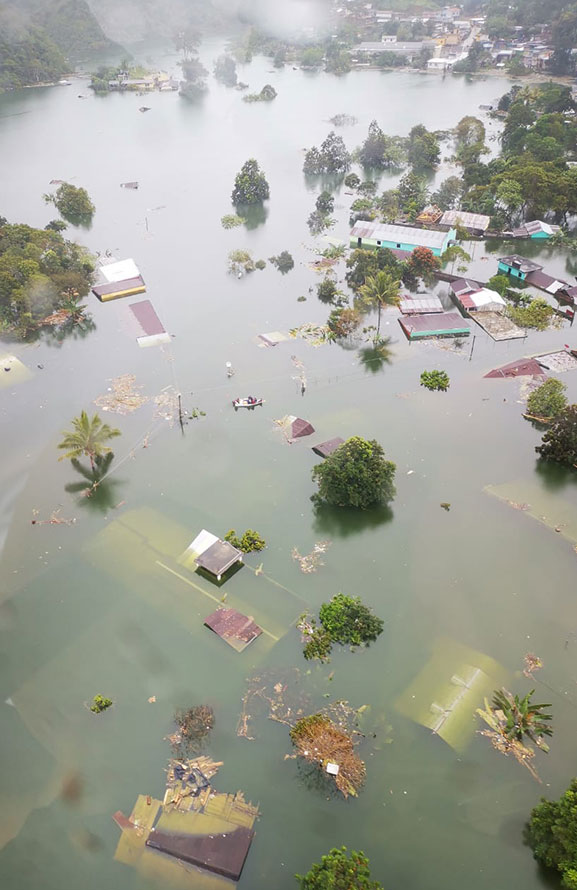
[{"x": 356, "y": 474}]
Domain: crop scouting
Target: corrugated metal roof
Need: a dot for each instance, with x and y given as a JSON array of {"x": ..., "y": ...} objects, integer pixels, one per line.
[
  {"x": 546, "y": 282},
  {"x": 119, "y": 270},
  {"x": 520, "y": 262},
  {"x": 463, "y": 286},
  {"x": 147, "y": 318},
  {"x": 524, "y": 367},
  {"x": 486, "y": 297},
  {"x": 233, "y": 627},
  {"x": 469, "y": 220},
  {"x": 418, "y": 307},
  {"x": 398, "y": 234},
  {"x": 443, "y": 322}
]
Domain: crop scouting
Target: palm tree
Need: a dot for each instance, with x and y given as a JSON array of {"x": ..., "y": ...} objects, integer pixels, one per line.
[
  {"x": 380, "y": 290},
  {"x": 88, "y": 437},
  {"x": 522, "y": 717}
]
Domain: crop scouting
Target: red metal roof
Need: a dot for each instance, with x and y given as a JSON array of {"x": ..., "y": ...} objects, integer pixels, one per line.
[
  {"x": 523, "y": 367},
  {"x": 147, "y": 318},
  {"x": 233, "y": 627}
]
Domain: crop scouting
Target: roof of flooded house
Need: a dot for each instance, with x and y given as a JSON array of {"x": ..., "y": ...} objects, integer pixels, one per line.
[
  {"x": 118, "y": 270},
  {"x": 520, "y": 262},
  {"x": 468, "y": 220},
  {"x": 463, "y": 286},
  {"x": 233, "y": 627},
  {"x": 409, "y": 306},
  {"x": 542, "y": 280},
  {"x": 523, "y": 367},
  {"x": 399, "y": 234},
  {"x": 534, "y": 227},
  {"x": 477, "y": 299},
  {"x": 224, "y": 852},
  {"x": 128, "y": 287},
  {"x": 441, "y": 322},
  {"x": 300, "y": 427},
  {"x": 147, "y": 318},
  {"x": 326, "y": 448},
  {"x": 218, "y": 557}
]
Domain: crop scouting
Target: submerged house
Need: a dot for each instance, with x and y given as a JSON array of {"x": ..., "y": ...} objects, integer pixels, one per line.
[
  {"x": 475, "y": 223},
  {"x": 471, "y": 297},
  {"x": 118, "y": 278},
  {"x": 369, "y": 235},
  {"x": 518, "y": 266},
  {"x": 212, "y": 554},
  {"x": 536, "y": 230},
  {"x": 440, "y": 324}
]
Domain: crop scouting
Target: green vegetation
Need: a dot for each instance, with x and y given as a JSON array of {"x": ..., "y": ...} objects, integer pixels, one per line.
[
  {"x": 99, "y": 704},
  {"x": 241, "y": 261},
  {"x": 548, "y": 400},
  {"x": 352, "y": 181},
  {"x": 267, "y": 94},
  {"x": 29, "y": 56},
  {"x": 381, "y": 152},
  {"x": 355, "y": 475},
  {"x": 435, "y": 380},
  {"x": 283, "y": 261},
  {"x": 522, "y": 717},
  {"x": 225, "y": 70},
  {"x": 536, "y": 314},
  {"x": 72, "y": 203},
  {"x": 250, "y": 185},
  {"x": 552, "y": 835},
  {"x": 325, "y": 203},
  {"x": 377, "y": 291},
  {"x": 100, "y": 79},
  {"x": 500, "y": 283},
  {"x": 345, "y": 620},
  {"x": 559, "y": 442},
  {"x": 327, "y": 290},
  {"x": 339, "y": 870},
  {"x": 331, "y": 157},
  {"x": 423, "y": 152},
  {"x": 250, "y": 540},
  {"x": 344, "y": 322},
  {"x": 39, "y": 272},
  {"x": 231, "y": 221},
  {"x": 88, "y": 437},
  {"x": 194, "y": 85}
]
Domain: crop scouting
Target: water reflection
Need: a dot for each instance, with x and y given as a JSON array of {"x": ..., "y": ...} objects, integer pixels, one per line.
[
  {"x": 344, "y": 521},
  {"x": 374, "y": 358},
  {"x": 254, "y": 215},
  {"x": 98, "y": 491},
  {"x": 56, "y": 335},
  {"x": 555, "y": 476}
]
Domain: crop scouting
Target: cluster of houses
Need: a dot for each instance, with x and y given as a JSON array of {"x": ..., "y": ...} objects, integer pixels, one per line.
[
  {"x": 427, "y": 317},
  {"x": 449, "y": 36},
  {"x": 160, "y": 81}
]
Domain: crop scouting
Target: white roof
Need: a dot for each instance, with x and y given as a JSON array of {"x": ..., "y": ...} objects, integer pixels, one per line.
[
  {"x": 486, "y": 297},
  {"x": 472, "y": 220},
  {"x": 119, "y": 271},
  {"x": 398, "y": 234},
  {"x": 201, "y": 543}
]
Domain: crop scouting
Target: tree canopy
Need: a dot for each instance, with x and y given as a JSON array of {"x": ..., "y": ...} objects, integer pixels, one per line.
[
  {"x": 250, "y": 185},
  {"x": 559, "y": 442},
  {"x": 88, "y": 436},
  {"x": 225, "y": 70},
  {"x": 331, "y": 157},
  {"x": 72, "y": 202},
  {"x": 355, "y": 475},
  {"x": 339, "y": 870},
  {"x": 552, "y": 834}
]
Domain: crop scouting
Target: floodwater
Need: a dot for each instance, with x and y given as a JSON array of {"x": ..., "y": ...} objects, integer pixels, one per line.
[{"x": 103, "y": 606}]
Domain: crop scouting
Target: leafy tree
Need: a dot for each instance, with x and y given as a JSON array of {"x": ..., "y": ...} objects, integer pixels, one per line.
[
  {"x": 377, "y": 291},
  {"x": 56, "y": 225},
  {"x": 469, "y": 140},
  {"x": 194, "y": 84},
  {"x": 413, "y": 193},
  {"x": 250, "y": 185},
  {"x": 331, "y": 157},
  {"x": 552, "y": 834},
  {"x": 348, "y": 621},
  {"x": 422, "y": 263},
  {"x": 509, "y": 196},
  {"x": 559, "y": 442},
  {"x": 312, "y": 57},
  {"x": 548, "y": 400},
  {"x": 356, "y": 474},
  {"x": 352, "y": 181},
  {"x": 88, "y": 437},
  {"x": 536, "y": 314},
  {"x": 522, "y": 717},
  {"x": 448, "y": 195},
  {"x": 338, "y": 60},
  {"x": 325, "y": 203},
  {"x": 72, "y": 202},
  {"x": 284, "y": 261},
  {"x": 339, "y": 870},
  {"x": 100, "y": 704},
  {"x": 500, "y": 283},
  {"x": 379, "y": 151},
  {"x": 477, "y": 58},
  {"x": 423, "y": 148},
  {"x": 344, "y": 322},
  {"x": 327, "y": 290},
  {"x": 225, "y": 70},
  {"x": 249, "y": 541},
  {"x": 362, "y": 264}
]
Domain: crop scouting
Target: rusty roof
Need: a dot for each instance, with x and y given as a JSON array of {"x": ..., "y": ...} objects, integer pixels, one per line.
[
  {"x": 523, "y": 367},
  {"x": 233, "y": 627},
  {"x": 219, "y": 557}
]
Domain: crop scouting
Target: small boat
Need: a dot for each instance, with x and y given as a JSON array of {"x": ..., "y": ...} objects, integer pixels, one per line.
[{"x": 248, "y": 402}]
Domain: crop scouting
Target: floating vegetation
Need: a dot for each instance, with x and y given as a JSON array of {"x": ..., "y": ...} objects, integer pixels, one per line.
[
  {"x": 284, "y": 261},
  {"x": 232, "y": 220},
  {"x": 194, "y": 725},
  {"x": 123, "y": 397},
  {"x": 344, "y": 619},
  {"x": 510, "y": 719},
  {"x": 435, "y": 380},
  {"x": 314, "y": 334},
  {"x": 100, "y": 703},
  {"x": 532, "y": 663},
  {"x": 240, "y": 262},
  {"x": 327, "y": 740},
  {"x": 312, "y": 560},
  {"x": 267, "y": 94},
  {"x": 275, "y": 695}
]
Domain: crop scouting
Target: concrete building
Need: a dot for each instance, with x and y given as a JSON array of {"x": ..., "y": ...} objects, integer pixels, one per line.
[{"x": 404, "y": 238}]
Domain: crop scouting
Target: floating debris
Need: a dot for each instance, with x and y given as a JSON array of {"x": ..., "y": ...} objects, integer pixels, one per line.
[
  {"x": 275, "y": 695},
  {"x": 532, "y": 663},
  {"x": 302, "y": 376},
  {"x": 312, "y": 560},
  {"x": 54, "y": 519},
  {"x": 123, "y": 396},
  {"x": 314, "y": 334},
  {"x": 194, "y": 726},
  {"x": 166, "y": 405},
  {"x": 128, "y": 185},
  {"x": 445, "y": 505}
]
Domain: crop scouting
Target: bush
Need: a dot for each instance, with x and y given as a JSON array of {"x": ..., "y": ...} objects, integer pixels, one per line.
[
  {"x": 352, "y": 181},
  {"x": 435, "y": 380},
  {"x": 355, "y": 475},
  {"x": 250, "y": 185},
  {"x": 250, "y": 540},
  {"x": 231, "y": 221},
  {"x": 99, "y": 704},
  {"x": 536, "y": 314},
  {"x": 552, "y": 834},
  {"x": 284, "y": 261},
  {"x": 559, "y": 443},
  {"x": 548, "y": 400},
  {"x": 346, "y": 620},
  {"x": 326, "y": 290},
  {"x": 73, "y": 203},
  {"x": 339, "y": 870}
]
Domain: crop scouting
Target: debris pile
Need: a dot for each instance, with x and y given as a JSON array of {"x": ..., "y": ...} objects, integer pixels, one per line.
[
  {"x": 123, "y": 397},
  {"x": 312, "y": 560}
]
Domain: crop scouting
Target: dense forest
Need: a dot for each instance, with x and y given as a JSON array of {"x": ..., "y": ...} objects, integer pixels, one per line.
[{"x": 40, "y": 38}]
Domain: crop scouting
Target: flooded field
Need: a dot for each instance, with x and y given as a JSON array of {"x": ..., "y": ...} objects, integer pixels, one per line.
[{"x": 103, "y": 604}]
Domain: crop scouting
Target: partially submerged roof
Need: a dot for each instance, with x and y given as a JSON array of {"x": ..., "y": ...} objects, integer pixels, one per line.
[
  {"x": 481, "y": 299},
  {"x": 468, "y": 220},
  {"x": 498, "y": 325},
  {"x": 535, "y": 227},
  {"x": 438, "y": 325},
  {"x": 119, "y": 270},
  {"x": 152, "y": 329},
  {"x": 272, "y": 338},
  {"x": 520, "y": 262},
  {"x": 563, "y": 360},
  {"x": 398, "y": 234},
  {"x": 12, "y": 370},
  {"x": 223, "y": 852},
  {"x": 463, "y": 286},
  {"x": 218, "y": 558},
  {"x": 326, "y": 448},
  {"x": 523, "y": 367},
  {"x": 409, "y": 306},
  {"x": 233, "y": 627},
  {"x": 545, "y": 282}
]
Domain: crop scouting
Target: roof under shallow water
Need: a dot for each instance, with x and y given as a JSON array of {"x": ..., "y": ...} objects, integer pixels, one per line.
[
  {"x": 523, "y": 367},
  {"x": 326, "y": 448},
  {"x": 233, "y": 627},
  {"x": 219, "y": 557}
]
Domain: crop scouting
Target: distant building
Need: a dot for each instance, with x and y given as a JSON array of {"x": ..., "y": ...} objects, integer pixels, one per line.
[
  {"x": 409, "y": 49},
  {"x": 404, "y": 238}
]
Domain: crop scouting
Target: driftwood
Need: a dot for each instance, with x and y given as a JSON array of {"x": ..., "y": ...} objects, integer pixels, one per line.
[{"x": 535, "y": 417}]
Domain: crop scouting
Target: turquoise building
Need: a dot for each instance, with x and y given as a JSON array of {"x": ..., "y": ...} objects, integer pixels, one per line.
[
  {"x": 368, "y": 235},
  {"x": 518, "y": 266}
]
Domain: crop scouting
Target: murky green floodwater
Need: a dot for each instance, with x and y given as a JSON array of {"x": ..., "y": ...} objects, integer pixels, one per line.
[{"x": 89, "y": 608}]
